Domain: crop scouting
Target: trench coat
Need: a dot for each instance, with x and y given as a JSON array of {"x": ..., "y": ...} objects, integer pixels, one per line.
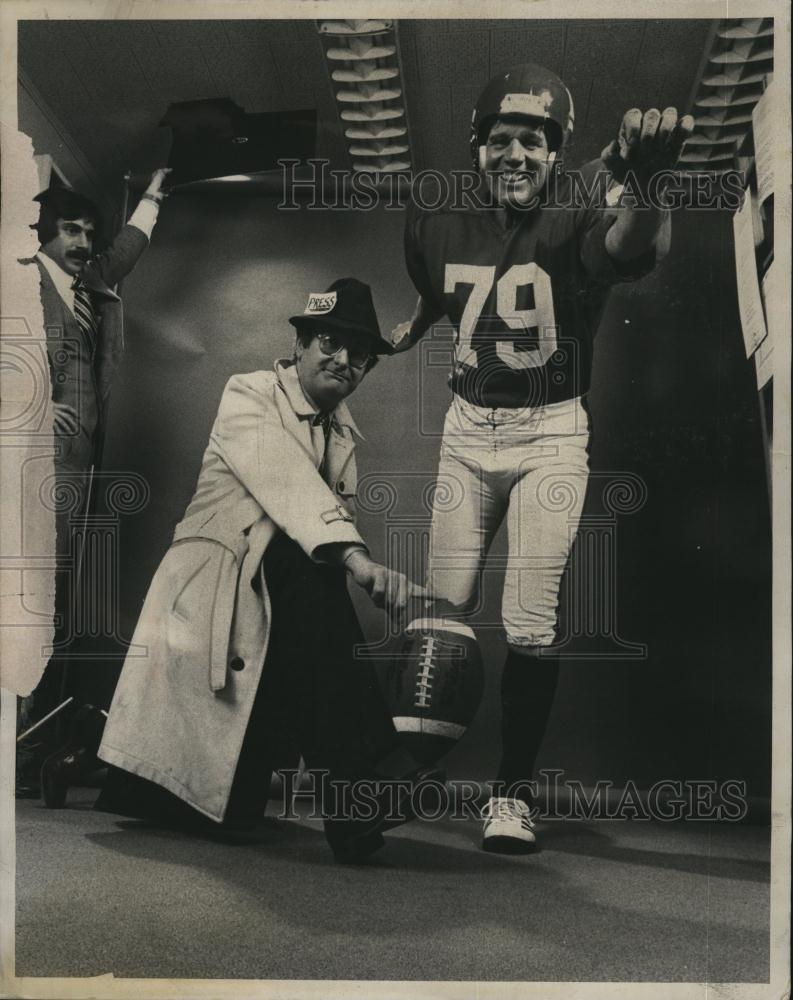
[{"x": 187, "y": 687}]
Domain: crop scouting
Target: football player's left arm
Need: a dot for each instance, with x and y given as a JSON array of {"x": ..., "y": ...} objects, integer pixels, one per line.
[{"x": 647, "y": 145}]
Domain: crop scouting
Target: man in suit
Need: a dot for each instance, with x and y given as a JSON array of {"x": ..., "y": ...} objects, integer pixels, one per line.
[
  {"x": 249, "y": 628},
  {"x": 84, "y": 329}
]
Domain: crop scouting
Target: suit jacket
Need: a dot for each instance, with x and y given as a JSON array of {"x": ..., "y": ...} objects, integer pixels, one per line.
[
  {"x": 82, "y": 373},
  {"x": 186, "y": 690}
]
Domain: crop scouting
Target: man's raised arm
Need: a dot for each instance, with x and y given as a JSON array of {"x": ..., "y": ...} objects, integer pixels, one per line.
[
  {"x": 124, "y": 252},
  {"x": 648, "y": 144}
]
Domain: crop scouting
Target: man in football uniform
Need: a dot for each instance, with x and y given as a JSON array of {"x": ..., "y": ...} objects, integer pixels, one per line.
[{"x": 523, "y": 276}]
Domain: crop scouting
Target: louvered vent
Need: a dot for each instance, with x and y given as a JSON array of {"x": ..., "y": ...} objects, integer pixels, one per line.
[
  {"x": 363, "y": 62},
  {"x": 737, "y": 71}
]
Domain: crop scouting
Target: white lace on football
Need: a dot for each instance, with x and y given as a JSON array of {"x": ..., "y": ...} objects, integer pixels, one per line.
[
  {"x": 425, "y": 674},
  {"x": 508, "y": 809}
]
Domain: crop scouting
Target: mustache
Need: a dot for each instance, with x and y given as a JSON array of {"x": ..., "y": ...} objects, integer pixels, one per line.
[{"x": 77, "y": 254}]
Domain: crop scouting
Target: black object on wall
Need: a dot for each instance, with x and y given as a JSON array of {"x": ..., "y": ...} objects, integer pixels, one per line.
[{"x": 216, "y": 138}]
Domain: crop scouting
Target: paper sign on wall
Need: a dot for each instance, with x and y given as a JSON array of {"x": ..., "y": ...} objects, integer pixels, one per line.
[
  {"x": 764, "y": 363},
  {"x": 766, "y": 136},
  {"x": 749, "y": 302}
]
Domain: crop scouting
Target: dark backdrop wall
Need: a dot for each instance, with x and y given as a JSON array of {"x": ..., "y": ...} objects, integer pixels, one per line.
[{"x": 673, "y": 404}]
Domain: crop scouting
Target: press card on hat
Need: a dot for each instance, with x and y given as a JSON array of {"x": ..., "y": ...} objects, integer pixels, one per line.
[{"x": 320, "y": 303}]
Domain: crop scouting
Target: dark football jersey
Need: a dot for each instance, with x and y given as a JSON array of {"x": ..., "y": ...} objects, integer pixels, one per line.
[{"x": 525, "y": 301}]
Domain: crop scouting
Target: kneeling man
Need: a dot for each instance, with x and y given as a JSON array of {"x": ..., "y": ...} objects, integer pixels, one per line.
[{"x": 248, "y": 628}]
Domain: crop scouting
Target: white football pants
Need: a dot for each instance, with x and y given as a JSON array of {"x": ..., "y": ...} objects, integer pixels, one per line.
[{"x": 530, "y": 464}]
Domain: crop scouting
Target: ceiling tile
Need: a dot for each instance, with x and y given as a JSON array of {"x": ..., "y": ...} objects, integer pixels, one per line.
[
  {"x": 244, "y": 50},
  {"x": 607, "y": 51},
  {"x": 540, "y": 42},
  {"x": 108, "y": 82},
  {"x": 672, "y": 47}
]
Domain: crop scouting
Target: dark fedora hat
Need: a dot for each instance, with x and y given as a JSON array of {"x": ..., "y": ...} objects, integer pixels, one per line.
[{"x": 347, "y": 307}]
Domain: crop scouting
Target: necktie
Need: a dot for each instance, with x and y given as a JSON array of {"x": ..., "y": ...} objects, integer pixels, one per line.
[
  {"x": 84, "y": 311},
  {"x": 323, "y": 420}
]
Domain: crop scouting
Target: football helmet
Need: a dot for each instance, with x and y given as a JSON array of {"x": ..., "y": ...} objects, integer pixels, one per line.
[{"x": 526, "y": 91}]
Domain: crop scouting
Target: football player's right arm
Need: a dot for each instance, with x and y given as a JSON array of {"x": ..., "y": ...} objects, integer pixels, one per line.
[
  {"x": 428, "y": 308},
  {"x": 405, "y": 335}
]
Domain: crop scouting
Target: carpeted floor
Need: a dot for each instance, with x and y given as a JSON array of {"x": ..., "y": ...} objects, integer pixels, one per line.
[{"x": 601, "y": 901}]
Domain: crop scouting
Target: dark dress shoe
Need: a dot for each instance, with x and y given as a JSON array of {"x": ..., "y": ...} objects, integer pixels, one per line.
[
  {"x": 76, "y": 760},
  {"x": 61, "y": 771},
  {"x": 27, "y": 789},
  {"x": 352, "y": 841},
  {"x": 31, "y": 754},
  {"x": 129, "y": 795}
]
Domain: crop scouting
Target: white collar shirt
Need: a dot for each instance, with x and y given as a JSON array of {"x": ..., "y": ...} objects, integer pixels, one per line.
[
  {"x": 143, "y": 218},
  {"x": 305, "y": 409},
  {"x": 60, "y": 278}
]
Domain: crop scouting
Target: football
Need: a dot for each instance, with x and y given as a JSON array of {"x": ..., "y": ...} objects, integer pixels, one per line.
[{"x": 434, "y": 686}]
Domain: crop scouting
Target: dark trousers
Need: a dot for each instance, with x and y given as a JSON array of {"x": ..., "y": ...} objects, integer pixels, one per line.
[
  {"x": 57, "y": 681},
  {"x": 316, "y": 699}
]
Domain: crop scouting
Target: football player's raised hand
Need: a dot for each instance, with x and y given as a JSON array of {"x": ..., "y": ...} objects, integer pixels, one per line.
[{"x": 647, "y": 143}]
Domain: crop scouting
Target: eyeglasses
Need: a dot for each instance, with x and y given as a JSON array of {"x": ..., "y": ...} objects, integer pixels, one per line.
[{"x": 330, "y": 345}]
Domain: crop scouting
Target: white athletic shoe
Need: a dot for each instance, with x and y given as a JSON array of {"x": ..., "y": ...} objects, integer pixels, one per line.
[{"x": 508, "y": 827}]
